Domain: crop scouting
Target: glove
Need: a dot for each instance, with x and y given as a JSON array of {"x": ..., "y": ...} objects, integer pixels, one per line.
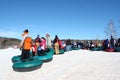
[{"x": 21, "y": 49}]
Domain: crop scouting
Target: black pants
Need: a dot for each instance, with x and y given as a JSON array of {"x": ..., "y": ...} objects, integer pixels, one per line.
[
  {"x": 113, "y": 45},
  {"x": 33, "y": 54},
  {"x": 25, "y": 54}
]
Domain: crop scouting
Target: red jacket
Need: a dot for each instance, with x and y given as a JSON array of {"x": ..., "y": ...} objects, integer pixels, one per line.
[
  {"x": 60, "y": 43},
  {"x": 34, "y": 48}
]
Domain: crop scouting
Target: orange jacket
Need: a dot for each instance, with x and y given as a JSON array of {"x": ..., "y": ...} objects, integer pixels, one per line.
[{"x": 27, "y": 43}]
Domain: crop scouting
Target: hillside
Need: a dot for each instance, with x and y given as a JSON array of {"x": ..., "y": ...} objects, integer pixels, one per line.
[
  {"x": 11, "y": 42},
  {"x": 8, "y": 42}
]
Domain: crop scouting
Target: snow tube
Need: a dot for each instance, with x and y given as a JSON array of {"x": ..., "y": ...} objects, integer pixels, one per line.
[
  {"x": 100, "y": 48},
  {"x": 83, "y": 48},
  {"x": 48, "y": 56},
  {"x": 27, "y": 64},
  {"x": 94, "y": 49},
  {"x": 75, "y": 48},
  {"x": 45, "y": 58},
  {"x": 62, "y": 51},
  {"x": 16, "y": 58},
  {"x": 110, "y": 50},
  {"x": 117, "y": 49}
]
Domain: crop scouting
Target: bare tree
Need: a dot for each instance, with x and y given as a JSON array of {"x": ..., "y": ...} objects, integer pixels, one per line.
[{"x": 111, "y": 30}]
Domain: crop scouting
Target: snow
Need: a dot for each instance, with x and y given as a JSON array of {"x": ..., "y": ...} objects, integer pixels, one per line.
[{"x": 73, "y": 65}]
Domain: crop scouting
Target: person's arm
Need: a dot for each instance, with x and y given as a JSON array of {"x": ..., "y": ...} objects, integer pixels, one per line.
[{"x": 22, "y": 41}]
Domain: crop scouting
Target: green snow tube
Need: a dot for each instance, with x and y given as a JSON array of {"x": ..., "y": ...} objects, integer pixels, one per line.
[
  {"x": 62, "y": 51},
  {"x": 27, "y": 64},
  {"x": 75, "y": 48},
  {"x": 48, "y": 56},
  {"x": 100, "y": 49},
  {"x": 16, "y": 58},
  {"x": 94, "y": 49},
  {"x": 117, "y": 49},
  {"x": 44, "y": 58}
]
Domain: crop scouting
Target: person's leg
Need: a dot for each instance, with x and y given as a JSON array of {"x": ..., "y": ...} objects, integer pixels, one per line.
[
  {"x": 66, "y": 47},
  {"x": 69, "y": 47},
  {"x": 33, "y": 54},
  {"x": 38, "y": 53},
  {"x": 27, "y": 54},
  {"x": 43, "y": 52},
  {"x": 22, "y": 54}
]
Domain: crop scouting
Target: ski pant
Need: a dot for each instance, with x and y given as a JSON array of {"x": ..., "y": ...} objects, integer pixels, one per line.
[{"x": 25, "y": 54}]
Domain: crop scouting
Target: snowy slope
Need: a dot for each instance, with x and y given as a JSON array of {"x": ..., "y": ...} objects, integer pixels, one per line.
[{"x": 73, "y": 65}]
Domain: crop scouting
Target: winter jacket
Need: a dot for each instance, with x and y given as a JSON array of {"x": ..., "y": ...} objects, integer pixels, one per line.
[
  {"x": 26, "y": 42},
  {"x": 43, "y": 44},
  {"x": 33, "y": 48}
]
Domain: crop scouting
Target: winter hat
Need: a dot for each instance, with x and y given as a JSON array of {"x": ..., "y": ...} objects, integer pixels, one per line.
[{"x": 26, "y": 30}]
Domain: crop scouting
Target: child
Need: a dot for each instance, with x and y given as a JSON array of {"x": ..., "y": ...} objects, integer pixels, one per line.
[
  {"x": 43, "y": 43},
  {"x": 41, "y": 47},
  {"x": 33, "y": 49}
]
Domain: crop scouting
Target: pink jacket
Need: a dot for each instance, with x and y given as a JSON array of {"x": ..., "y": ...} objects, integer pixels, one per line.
[{"x": 43, "y": 44}]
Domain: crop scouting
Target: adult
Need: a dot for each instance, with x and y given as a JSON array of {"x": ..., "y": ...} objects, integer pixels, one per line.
[
  {"x": 91, "y": 45},
  {"x": 119, "y": 42},
  {"x": 105, "y": 44},
  {"x": 48, "y": 41},
  {"x": 87, "y": 44},
  {"x": 68, "y": 45},
  {"x": 56, "y": 44},
  {"x": 25, "y": 45},
  {"x": 112, "y": 42}
]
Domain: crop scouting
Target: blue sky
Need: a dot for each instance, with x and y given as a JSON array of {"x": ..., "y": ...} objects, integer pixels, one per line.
[{"x": 74, "y": 19}]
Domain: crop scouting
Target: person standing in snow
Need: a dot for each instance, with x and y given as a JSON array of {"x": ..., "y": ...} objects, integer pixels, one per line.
[
  {"x": 25, "y": 45},
  {"x": 56, "y": 45},
  {"x": 112, "y": 42},
  {"x": 91, "y": 45},
  {"x": 48, "y": 41},
  {"x": 68, "y": 45},
  {"x": 119, "y": 42},
  {"x": 106, "y": 44}
]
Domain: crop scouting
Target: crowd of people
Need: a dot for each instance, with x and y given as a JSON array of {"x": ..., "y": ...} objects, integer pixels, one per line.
[
  {"x": 36, "y": 46},
  {"x": 105, "y": 44},
  {"x": 39, "y": 45}
]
